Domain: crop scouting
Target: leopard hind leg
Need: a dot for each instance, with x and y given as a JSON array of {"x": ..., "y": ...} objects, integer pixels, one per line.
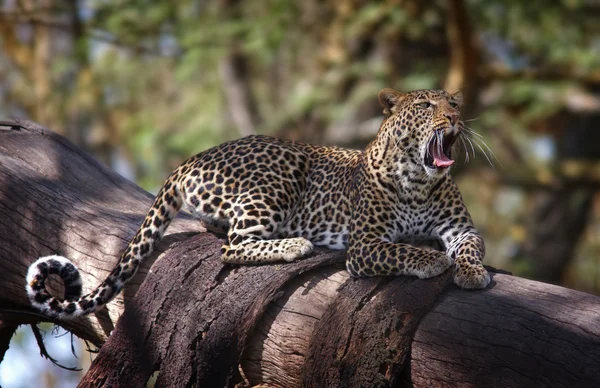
[{"x": 250, "y": 233}]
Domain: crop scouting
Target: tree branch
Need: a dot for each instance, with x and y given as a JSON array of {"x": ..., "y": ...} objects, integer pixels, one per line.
[
  {"x": 44, "y": 352},
  {"x": 199, "y": 322},
  {"x": 7, "y": 330}
]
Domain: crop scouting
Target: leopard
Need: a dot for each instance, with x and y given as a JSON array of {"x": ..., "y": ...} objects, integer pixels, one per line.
[{"x": 276, "y": 199}]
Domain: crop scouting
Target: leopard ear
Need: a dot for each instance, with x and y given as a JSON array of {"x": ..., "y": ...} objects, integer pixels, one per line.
[
  {"x": 458, "y": 97},
  {"x": 389, "y": 98}
]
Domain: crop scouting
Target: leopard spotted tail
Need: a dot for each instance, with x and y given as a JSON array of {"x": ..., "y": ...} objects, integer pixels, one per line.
[{"x": 165, "y": 208}]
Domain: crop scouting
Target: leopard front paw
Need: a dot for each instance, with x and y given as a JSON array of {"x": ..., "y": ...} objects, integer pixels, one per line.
[
  {"x": 435, "y": 264},
  {"x": 471, "y": 276},
  {"x": 296, "y": 248}
]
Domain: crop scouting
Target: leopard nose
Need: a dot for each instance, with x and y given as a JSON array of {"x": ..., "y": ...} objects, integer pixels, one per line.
[{"x": 452, "y": 117}]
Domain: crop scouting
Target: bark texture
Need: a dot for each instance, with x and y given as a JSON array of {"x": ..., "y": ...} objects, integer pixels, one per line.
[{"x": 201, "y": 323}]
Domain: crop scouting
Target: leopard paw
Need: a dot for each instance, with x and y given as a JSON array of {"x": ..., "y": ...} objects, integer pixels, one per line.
[
  {"x": 471, "y": 277},
  {"x": 296, "y": 248},
  {"x": 435, "y": 265}
]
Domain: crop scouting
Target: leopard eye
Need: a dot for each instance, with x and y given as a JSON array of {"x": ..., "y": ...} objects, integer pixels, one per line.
[
  {"x": 453, "y": 104},
  {"x": 424, "y": 105}
]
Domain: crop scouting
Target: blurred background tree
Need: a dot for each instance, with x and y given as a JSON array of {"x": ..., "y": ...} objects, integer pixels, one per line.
[{"x": 144, "y": 84}]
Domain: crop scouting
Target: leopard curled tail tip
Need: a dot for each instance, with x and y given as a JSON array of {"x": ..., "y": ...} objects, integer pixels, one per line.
[{"x": 37, "y": 274}]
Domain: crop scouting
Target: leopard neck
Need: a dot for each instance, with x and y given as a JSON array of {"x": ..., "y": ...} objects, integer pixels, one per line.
[{"x": 401, "y": 167}]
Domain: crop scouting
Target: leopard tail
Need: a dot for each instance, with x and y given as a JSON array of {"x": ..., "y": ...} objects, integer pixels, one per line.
[{"x": 166, "y": 206}]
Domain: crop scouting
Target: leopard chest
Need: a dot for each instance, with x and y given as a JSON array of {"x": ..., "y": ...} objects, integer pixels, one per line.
[{"x": 412, "y": 220}]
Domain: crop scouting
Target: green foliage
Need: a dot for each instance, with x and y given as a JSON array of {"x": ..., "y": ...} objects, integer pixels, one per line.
[{"x": 551, "y": 33}]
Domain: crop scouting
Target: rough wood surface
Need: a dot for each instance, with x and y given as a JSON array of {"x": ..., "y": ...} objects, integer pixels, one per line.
[
  {"x": 6, "y": 332},
  {"x": 201, "y": 323},
  {"x": 519, "y": 333},
  {"x": 277, "y": 348},
  {"x": 375, "y": 317},
  {"x": 193, "y": 317}
]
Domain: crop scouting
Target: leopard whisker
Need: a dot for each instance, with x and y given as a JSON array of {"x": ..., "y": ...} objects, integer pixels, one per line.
[
  {"x": 485, "y": 154},
  {"x": 473, "y": 119},
  {"x": 471, "y": 130},
  {"x": 464, "y": 144},
  {"x": 490, "y": 151},
  {"x": 478, "y": 141},
  {"x": 471, "y": 144}
]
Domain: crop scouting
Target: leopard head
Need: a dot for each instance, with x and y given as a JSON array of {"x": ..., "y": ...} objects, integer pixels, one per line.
[{"x": 424, "y": 125}]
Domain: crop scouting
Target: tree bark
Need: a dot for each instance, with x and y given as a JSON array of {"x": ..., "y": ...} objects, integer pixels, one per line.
[
  {"x": 202, "y": 323},
  {"x": 6, "y": 332}
]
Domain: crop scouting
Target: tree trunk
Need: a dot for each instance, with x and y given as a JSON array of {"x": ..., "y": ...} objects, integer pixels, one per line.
[{"x": 202, "y": 323}]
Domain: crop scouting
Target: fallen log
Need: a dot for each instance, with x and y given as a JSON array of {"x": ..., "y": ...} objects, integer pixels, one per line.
[{"x": 201, "y": 323}]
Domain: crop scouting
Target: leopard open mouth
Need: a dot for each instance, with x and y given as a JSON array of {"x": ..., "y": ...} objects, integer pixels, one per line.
[{"x": 439, "y": 150}]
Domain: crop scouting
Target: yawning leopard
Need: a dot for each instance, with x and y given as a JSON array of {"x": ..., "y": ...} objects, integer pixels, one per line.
[{"x": 277, "y": 198}]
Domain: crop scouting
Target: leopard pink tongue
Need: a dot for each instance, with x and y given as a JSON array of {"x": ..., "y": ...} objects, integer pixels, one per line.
[{"x": 440, "y": 159}]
